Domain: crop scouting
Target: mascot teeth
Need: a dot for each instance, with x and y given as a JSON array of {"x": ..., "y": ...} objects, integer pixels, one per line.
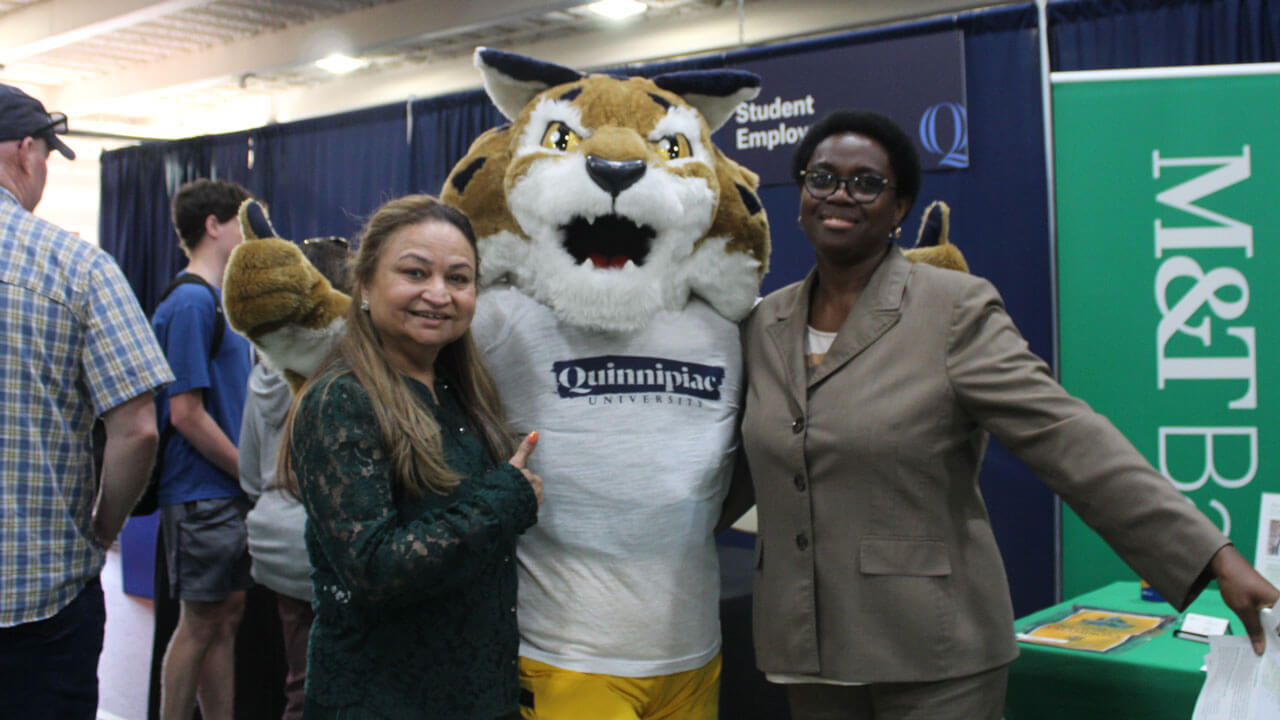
[{"x": 609, "y": 242}]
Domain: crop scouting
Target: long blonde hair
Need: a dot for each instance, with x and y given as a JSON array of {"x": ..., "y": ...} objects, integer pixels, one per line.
[{"x": 409, "y": 430}]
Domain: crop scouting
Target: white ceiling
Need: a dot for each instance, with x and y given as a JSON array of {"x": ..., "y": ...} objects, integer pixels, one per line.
[{"x": 178, "y": 68}]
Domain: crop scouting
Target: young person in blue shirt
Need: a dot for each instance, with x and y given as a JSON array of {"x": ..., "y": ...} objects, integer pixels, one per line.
[{"x": 202, "y": 506}]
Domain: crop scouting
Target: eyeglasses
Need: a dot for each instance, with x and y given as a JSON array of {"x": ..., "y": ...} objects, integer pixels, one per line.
[
  {"x": 863, "y": 187},
  {"x": 57, "y": 124}
]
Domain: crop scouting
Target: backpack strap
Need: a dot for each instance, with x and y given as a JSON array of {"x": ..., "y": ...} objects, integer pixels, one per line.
[
  {"x": 219, "y": 321},
  {"x": 149, "y": 502}
]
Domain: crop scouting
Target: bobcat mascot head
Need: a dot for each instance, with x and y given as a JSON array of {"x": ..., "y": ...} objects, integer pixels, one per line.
[{"x": 604, "y": 198}]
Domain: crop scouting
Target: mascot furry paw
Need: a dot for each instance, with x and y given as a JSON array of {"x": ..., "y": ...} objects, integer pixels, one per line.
[
  {"x": 278, "y": 300},
  {"x": 618, "y": 250}
]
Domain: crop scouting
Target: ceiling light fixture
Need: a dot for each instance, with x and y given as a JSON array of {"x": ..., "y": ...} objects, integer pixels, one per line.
[
  {"x": 340, "y": 64},
  {"x": 617, "y": 9}
]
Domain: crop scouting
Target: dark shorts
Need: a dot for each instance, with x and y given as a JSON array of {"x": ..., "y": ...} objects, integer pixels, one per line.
[
  {"x": 49, "y": 668},
  {"x": 207, "y": 548}
]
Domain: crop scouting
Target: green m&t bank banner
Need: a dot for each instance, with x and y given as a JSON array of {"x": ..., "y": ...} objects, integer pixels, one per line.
[{"x": 1168, "y": 209}]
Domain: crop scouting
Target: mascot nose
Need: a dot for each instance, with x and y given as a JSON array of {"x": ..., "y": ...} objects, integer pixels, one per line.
[{"x": 614, "y": 176}]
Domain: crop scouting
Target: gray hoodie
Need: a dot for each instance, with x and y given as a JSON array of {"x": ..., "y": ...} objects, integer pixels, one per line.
[{"x": 277, "y": 519}]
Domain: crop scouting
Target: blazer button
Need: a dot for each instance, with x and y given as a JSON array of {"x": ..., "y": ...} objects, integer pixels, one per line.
[
  {"x": 802, "y": 542},
  {"x": 799, "y": 481},
  {"x": 798, "y": 426}
]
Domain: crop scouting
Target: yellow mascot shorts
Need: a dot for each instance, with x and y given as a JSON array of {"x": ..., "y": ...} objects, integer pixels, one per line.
[{"x": 552, "y": 693}]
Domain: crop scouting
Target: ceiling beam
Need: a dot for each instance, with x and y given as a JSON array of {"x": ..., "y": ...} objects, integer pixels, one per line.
[
  {"x": 354, "y": 32},
  {"x": 49, "y": 25}
]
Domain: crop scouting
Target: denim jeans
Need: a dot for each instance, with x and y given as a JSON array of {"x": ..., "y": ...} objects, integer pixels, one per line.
[{"x": 49, "y": 668}]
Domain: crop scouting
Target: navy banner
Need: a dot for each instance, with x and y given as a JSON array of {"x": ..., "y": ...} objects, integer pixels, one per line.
[{"x": 918, "y": 81}]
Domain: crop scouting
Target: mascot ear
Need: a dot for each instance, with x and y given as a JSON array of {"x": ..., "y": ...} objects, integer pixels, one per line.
[
  {"x": 512, "y": 80},
  {"x": 254, "y": 222},
  {"x": 715, "y": 93},
  {"x": 935, "y": 225},
  {"x": 933, "y": 246}
]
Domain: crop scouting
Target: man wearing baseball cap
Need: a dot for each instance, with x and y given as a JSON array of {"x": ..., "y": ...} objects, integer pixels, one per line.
[
  {"x": 24, "y": 116},
  {"x": 76, "y": 347},
  {"x": 24, "y": 119}
]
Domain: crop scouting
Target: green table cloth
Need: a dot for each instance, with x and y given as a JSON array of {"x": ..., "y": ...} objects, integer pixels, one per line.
[{"x": 1157, "y": 677}]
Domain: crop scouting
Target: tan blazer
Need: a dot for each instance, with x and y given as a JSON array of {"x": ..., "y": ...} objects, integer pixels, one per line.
[{"x": 875, "y": 558}]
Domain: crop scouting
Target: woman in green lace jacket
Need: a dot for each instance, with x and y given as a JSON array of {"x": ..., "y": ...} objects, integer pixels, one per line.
[{"x": 398, "y": 451}]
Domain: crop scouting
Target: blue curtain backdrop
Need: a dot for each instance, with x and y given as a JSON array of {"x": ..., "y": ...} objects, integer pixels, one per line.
[
  {"x": 442, "y": 132},
  {"x": 324, "y": 176},
  {"x": 1104, "y": 35}
]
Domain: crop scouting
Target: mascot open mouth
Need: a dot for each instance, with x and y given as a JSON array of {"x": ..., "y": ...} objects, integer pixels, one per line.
[{"x": 609, "y": 241}]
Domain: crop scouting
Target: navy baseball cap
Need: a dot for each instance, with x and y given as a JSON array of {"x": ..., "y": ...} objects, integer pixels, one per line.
[{"x": 23, "y": 116}]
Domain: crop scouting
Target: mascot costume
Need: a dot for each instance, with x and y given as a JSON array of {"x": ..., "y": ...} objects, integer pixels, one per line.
[{"x": 619, "y": 249}]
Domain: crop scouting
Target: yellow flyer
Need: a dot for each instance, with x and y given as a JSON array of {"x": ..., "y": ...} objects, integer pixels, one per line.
[{"x": 1093, "y": 629}]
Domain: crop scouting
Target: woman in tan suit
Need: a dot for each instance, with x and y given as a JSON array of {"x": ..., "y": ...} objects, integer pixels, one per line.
[{"x": 872, "y": 385}]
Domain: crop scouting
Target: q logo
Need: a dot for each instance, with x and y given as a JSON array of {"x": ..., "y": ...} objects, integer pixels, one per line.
[{"x": 957, "y": 155}]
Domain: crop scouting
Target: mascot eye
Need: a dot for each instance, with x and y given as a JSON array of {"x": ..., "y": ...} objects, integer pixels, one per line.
[
  {"x": 675, "y": 147},
  {"x": 560, "y": 137}
]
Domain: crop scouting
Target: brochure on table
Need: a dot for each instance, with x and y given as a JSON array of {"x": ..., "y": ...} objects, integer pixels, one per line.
[{"x": 1093, "y": 629}]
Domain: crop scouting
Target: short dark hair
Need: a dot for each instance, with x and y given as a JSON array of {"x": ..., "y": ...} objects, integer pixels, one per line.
[
  {"x": 199, "y": 199},
  {"x": 902, "y": 151}
]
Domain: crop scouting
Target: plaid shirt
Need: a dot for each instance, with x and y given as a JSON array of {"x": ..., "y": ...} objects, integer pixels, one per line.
[{"x": 73, "y": 344}]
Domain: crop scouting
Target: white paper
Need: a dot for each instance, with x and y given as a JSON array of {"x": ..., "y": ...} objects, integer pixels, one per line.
[
  {"x": 1241, "y": 685},
  {"x": 1206, "y": 625},
  {"x": 1267, "y": 554}
]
